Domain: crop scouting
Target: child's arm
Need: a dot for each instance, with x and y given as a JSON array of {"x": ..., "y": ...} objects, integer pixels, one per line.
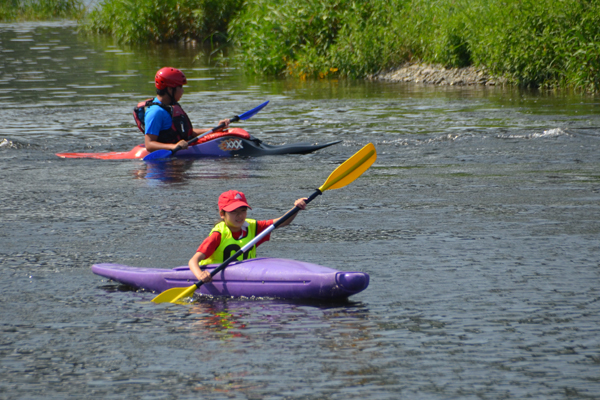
[
  {"x": 301, "y": 204},
  {"x": 201, "y": 275},
  {"x": 206, "y": 249}
]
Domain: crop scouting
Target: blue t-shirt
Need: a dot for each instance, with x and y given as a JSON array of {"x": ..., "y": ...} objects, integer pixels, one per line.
[{"x": 157, "y": 119}]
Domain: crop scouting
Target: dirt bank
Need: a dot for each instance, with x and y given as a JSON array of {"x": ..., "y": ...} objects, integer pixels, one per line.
[{"x": 438, "y": 75}]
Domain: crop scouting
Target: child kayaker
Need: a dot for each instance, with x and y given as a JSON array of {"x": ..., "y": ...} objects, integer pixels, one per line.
[
  {"x": 232, "y": 233},
  {"x": 165, "y": 124}
]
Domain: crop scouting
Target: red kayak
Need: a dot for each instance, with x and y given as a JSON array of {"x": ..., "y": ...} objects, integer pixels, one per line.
[{"x": 229, "y": 143}]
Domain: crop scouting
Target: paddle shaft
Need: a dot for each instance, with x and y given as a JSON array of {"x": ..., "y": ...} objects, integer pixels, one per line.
[
  {"x": 264, "y": 233},
  {"x": 216, "y": 128}
]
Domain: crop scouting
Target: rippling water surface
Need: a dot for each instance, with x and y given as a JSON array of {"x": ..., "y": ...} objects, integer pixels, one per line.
[{"x": 478, "y": 224}]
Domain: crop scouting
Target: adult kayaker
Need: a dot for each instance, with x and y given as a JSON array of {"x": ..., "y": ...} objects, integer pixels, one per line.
[
  {"x": 165, "y": 124},
  {"x": 232, "y": 233}
]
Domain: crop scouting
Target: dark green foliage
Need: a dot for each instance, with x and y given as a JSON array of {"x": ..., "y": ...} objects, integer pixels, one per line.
[
  {"x": 134, "y": 21},
  {"x": 40, "y": 9}
]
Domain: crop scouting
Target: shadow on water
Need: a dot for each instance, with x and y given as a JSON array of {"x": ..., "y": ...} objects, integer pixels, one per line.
[
  {"x": 245, "y": 303},
  {"x": 219, "y": 302}
]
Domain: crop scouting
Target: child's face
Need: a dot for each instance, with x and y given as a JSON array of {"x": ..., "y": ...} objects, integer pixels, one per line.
[
  {"x": 178, "y": 93},
  {"x": 235, "y": 219}
]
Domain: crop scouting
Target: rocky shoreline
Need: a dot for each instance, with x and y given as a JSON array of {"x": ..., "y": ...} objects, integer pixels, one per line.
[{"x": 439, "y": 75}]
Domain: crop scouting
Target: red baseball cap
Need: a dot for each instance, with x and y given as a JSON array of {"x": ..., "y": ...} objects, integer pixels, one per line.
[{"x": 232, "y": 199}]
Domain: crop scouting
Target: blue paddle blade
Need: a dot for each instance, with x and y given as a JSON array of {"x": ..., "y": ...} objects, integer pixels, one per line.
[
  {"x": 158, "y": 154},
  {"x": 249, "y": 114}
]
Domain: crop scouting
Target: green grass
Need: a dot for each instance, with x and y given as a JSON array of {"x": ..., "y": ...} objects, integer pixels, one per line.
[{"x": 27, "y": 10}]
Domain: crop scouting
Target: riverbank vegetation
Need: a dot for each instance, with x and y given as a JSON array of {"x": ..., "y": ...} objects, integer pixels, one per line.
[
  {"x": 533, "y": 43},
  {"x": 134, "y": 21},
  {"x": 530, "y": 42},
  {"x": 27, "y": 10}
]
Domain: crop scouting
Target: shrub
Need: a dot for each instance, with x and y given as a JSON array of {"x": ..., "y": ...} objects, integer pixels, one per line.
[{"x": 134, "y": 21}]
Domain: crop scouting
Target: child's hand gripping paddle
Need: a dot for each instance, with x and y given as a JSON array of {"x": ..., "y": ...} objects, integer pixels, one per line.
[
  {"x": 346, "y": 173},
  {"x": 158, "y": 154}
]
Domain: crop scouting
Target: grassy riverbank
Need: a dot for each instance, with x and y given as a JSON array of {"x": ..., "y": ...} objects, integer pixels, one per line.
[
  {"x": 534, "y": 43},
  {"x": 28, "y": 10},
  {"x": 530, "y": 42}
]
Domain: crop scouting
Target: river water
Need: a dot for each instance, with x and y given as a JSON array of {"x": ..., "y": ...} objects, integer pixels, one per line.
[{"x": 478, "y": 225}]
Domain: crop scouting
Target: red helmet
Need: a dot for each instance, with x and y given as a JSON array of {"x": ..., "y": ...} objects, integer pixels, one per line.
[{"x": 169, "y": 77}]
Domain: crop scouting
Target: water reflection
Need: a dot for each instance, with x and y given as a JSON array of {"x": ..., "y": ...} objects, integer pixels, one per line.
[
  {"x": 178, "y": 170},
  {"x": 216, "y": 317},
  {"x": 170, "y": 171},
  {"x": 228, "y": 318}
]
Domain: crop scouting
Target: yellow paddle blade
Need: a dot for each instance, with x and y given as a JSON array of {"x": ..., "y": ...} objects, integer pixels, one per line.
[
  {"x": 172, "y": 295},
  {"x": 351, "y": 169}
]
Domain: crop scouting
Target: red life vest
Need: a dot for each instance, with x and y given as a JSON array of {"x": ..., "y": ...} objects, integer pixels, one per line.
[{"x": 181, "y": 128}]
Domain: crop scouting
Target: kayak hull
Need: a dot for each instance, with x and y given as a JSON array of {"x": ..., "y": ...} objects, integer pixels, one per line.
[
  {"x": 258, "y": 277},
  {"x": 231, "y": 143}
]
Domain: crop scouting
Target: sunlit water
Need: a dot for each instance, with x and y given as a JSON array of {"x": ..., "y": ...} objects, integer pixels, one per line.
[{"x": 478, "y": 224}]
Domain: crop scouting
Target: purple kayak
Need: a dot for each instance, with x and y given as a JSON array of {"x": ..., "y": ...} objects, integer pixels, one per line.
[{"x": 257, "y": 277}]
